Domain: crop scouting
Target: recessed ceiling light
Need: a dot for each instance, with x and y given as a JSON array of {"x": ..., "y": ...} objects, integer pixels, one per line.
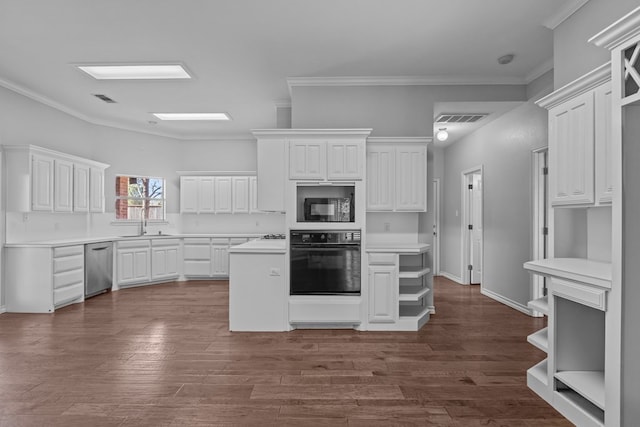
[
  {"x": 135, "y": 72},
  {"x": 442, "y": 134},
  {"x": 192, "y": 116}
]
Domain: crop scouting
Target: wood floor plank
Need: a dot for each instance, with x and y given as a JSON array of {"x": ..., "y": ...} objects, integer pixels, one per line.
[{"x": 162, "y": 355}]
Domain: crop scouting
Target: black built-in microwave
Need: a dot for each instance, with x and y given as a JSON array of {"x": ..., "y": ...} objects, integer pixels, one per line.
[{"x": 329, "y": 209}]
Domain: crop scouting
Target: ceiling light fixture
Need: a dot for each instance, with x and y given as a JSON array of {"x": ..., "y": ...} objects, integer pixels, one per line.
[
  {"x": 135, "y": 72},
  {"x": 506, "y": 59},
  {"x": 192, "y": 116},
  {"x": 442, "y": 134}
]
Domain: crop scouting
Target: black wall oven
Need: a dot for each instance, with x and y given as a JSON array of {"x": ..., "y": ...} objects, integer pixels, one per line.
[{"x": 325, "y": 262}]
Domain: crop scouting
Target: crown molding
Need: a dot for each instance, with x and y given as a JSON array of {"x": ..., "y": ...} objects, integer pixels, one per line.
[
  {"x": 539, "y": 70},
  {"x": 402, "y": 81},
  {"x": 563, "y": 14},
  {"x": 282, "y": 103},
  {"x": 619, "y": 32},
  {"x": 279, "y": 133},
  {"x": 401, "y": 139},
  {"x": 583, "y": 84}
]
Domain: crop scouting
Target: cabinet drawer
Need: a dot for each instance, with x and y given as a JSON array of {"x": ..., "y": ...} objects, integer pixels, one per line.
[
  {"x": 68, "y": 251},
  {"x": 67, "y": 263},
  {"x": 582, "y": 294},
  {"x": 197, "y": 252},
  {"x": 134, "y": 244},
  {"x": 165, "y": 242},
  {"x": 197, "y": 268},
  {"x": 382, "y": 259},
  {"x": 67, "y": 278},
  {"x": 67, "y": 294}
]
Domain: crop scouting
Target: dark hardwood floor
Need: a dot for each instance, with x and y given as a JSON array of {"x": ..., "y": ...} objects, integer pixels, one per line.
[{"x": 163, "y": 356}]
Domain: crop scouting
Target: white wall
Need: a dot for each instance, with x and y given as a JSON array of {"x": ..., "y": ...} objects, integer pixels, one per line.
[
  {"x": 573, "y": 56},
  {"x": 504, "y": 149}
]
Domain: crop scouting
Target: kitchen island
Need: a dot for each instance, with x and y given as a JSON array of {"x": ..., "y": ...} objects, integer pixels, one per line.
[{"x": 258, "y": 286}]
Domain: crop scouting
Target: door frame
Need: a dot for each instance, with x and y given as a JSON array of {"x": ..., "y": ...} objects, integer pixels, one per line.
[
  {"x": 464, "y": 230},
  {"x": 436, "y": 226},
  {"x": 540, "y": 216}
]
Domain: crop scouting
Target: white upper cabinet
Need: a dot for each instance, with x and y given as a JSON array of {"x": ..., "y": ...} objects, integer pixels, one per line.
[
  {"x": 223, "y": 194},
  {"x": 240, "y": 194},
  {"x": 345, "y": 160},
  {"x": 96, "y": 192},
  {"x": 206, "y": 194},
  {"x": 189, "y": 194},
  {"x": 81, "y": 178},
  {"x": 253, "y": 194},
  {"x": 397, "y": 174},
  {"x": 604, "y": 158},
  {"x": 47, "y": 180},
  {"x": 380, "y": 177},
  {"x": 580, "y": 140},
  {"x": 307, "y": 160},
  {"x": 41, "y": 183}
]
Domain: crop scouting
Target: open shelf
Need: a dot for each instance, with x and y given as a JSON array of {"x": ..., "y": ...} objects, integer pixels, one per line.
[
  {"x": 540, "y": 339},
  {"x": 410, "y": 272},
  {"x": 540, "y": 304},
  {"x": 576, "y": 408},
  {"x": 589, "y": 384},
  {"x": 594, "y": 273},
  {"x": 412, "y": 293},
  {"x": 538, "y": 380}
]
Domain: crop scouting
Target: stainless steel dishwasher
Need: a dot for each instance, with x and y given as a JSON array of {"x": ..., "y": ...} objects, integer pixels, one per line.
[{"x": 98, "y": 268}]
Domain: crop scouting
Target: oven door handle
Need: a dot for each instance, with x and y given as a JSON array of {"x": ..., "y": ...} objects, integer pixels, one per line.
[{"x": 325, "y": 247}]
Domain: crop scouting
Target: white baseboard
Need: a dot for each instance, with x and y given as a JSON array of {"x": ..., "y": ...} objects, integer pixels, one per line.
[
  {"x": 451, "y": 277},
  {"x": 3, "y": 309},
  {"x": 506, "y": 301}
]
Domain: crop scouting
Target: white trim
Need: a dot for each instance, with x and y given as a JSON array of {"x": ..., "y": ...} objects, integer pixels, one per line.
[
  {"x": 451, "y": 277},
  {"x": 217, "y": 173},
  {"x": 464, "y": 220},
  {"x": 539, "y": 70},
  {"x": 436, "y": 254},
  {"x": 282, "y": 103},
  {"x": 54, "y": 153},
  {"x": 402, "y": 81},
  {"x": 563, "y": 14},
  {"x": 581, "y": 85},
  {"x": 618, "y": 33},
  {"x": 319, "y": 133},
  {"x": 506, "y": 301},
  {"x": 3, "y": 309},
  {"x": 401, "y": 139}
]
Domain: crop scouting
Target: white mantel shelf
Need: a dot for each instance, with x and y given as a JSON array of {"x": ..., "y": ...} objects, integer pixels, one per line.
[
  {"x": 403, "y": 248},
  {"x": 595, "y": 273}
]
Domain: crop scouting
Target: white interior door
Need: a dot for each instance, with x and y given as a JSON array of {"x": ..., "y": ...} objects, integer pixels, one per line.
[
  {"x": 476, "y": 232},
  {"x": 436, "y": 227}
]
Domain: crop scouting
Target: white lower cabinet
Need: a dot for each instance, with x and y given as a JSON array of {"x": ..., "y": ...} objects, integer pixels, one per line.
[
  {"x": 400, "y": 287},
  {"x": 220, "y": 257},
  {"x": 57, "y": 281},
  {"x": 133, "y": 262},
  {"x": 206, "y": 257},
  {"x": 164, "y": 259}
]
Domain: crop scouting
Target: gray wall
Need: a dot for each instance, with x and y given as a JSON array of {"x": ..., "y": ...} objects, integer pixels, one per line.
[
  {"x": 573, "y": 56},
  {"x": 504, "y": 148}
]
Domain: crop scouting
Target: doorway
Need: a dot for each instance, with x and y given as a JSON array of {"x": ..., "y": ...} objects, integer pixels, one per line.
[
  {"x": 436, "y": 226},
  {"x": 540, "y": 220},
  {"x": 472, "y": 228}
]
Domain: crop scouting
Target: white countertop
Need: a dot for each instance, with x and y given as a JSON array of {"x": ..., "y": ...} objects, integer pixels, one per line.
[
  {"x": 261, "y": 246},
  {"x": 85, "y": 240},
  {"x": 581, "y": 270},
  {"x": 410, "y": 248}
]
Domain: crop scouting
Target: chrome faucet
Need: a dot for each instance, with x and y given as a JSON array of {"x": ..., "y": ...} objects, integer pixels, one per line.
[{"x": 143, "y": 224}]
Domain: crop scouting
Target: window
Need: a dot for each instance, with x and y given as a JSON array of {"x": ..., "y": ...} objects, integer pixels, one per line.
[{"x": 140, "y": 197}]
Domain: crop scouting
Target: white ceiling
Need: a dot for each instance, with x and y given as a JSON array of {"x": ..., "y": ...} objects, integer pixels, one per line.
[{"x": 241, "y": 52}]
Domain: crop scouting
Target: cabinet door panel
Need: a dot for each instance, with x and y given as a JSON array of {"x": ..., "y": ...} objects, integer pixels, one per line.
[
  {"x": 383, "y": 293},
  {"x": 603, "y": 142},
  {"x": 80, "y": 188},
  {"x": 380, "y": 178},
  {"x": 63, "y": 184},
  {"x": 142, "y": 265},
  {"x": 188, "y": 194},
  {"x": 240, "y": 194},
  {"x": 571, "y": 151},
  {"x": 411, "y": 178},
  {"x": 344, "y": 160},
  {"x": 223, "y": 191},
  {"x": 42, "y": 183},
  {"x": 206, "y": 194},
  {"x": 96, "y": 192},
  {"x": 125, "y": 266},
  {"x": 307, "y": 160},
  {"x": 220, "y": 260}
]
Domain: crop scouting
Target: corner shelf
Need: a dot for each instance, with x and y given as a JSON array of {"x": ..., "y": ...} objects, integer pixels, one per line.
[
  {"x": 413, "y": 272},
  {"x": 589, "y": 384},
  {"x": 540, "y": 304},
  {"x": 412, "y": 293},
  {"x": 540, "y": 339},
  {"x": 538, "y": 380}
]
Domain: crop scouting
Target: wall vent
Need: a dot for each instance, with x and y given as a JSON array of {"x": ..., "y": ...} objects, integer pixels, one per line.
[
  {"x": 460, "y": 117},
  {"x": 104, "y": 98}
]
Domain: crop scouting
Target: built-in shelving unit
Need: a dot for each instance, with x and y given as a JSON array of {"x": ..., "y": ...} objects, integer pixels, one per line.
[
  {"x": 540, "y": 305},
  {"x": 540, "y": 339},
  {"x": 596, "y": 273}
]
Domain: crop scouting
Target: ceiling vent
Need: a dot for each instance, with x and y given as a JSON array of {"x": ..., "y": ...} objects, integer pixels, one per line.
[
  {"x": 460, "y": 117},
  {"x": 104, "y": 98}
]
